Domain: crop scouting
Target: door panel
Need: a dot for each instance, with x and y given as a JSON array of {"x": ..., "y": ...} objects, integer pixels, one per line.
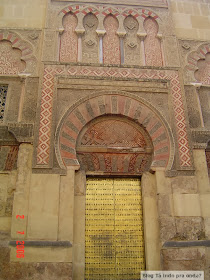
[{"x": 114, "y": 229}]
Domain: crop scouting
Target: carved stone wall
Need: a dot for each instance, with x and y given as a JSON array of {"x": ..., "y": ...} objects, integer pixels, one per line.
[
  {"x": 193, "y": 107},
  {"x": 68, "y": 47},
  {"x": 196, "y": 64},
  {"x": 8, "y": 157},
  {"x": 152, "y": 45},
  {"x": 10, "y": 59},
  {"x": 112, "y": 104},
  {"x": 202, "y": 74},
  {"x": 111, "y": 41},
  {"x": 131, "y": 41},
  {"x": 3, "y": 96},
  {"x": 114, "y": 145},
  {"x": 90, "y": 48}
]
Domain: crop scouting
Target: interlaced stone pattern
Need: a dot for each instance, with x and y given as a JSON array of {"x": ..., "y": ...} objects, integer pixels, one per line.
[{"x": 3, "y": 95}]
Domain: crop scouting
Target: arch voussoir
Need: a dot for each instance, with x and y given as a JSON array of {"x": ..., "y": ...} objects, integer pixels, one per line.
[{"x": 118, "y": 105}]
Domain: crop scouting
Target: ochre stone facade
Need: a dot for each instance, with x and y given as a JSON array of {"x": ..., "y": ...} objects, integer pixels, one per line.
[{"x": 103, "y": 89}]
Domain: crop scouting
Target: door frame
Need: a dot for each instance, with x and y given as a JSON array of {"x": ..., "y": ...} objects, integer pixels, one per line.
[{"x": 150, "y": 223}]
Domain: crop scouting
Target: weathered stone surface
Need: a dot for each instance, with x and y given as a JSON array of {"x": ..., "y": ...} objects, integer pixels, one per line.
[
  {"x": 207, "y": 227},
  {"x": 190, "y": 228},
  {"x": 165, "y": 205},
  {"x": 4, "y": 255},
  {"x": 163, "y": 183},
  {"x": 43, "y": 254},
  {"x": 184, "y": 184},
  {"x": 193, "y": 107},
  {"x": 4, "y": 235},
  {"x": 36, "y": 271},
  {"x": 21, "y": 196},
  {"x": 149, "y": 185},
  {"x": 80, "y": 183},
  {"x": 167, "y": 228},
  {"x": 183, "y": 259},
  {"x": 183, "y": 254},
  {"x": 30, "y": 100},
  {"x": 184, "y": 265},
  {"x": 187, "y": 205},
  {"x": 43, "y": 216}
]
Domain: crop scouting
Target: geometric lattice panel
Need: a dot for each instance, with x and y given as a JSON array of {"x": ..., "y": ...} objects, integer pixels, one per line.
[
  {"x": 3, "y": 95},
  {"x": 114, "y": 243}
]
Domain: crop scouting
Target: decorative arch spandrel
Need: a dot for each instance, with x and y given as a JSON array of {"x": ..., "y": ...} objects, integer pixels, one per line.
[
  {"x": 203, "y": 73},
  {"x": 10, "y": 59},
  {"x": 17, "y": 55},
  {"x": 197, "y": 69}
]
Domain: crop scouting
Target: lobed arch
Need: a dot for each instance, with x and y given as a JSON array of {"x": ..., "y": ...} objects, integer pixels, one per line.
[
  {"x": 25, "y": 47},
  {"x": 192, "y": 61},
  {"x": 120, "y": 13},
  {"x": 114, "y": 104}
]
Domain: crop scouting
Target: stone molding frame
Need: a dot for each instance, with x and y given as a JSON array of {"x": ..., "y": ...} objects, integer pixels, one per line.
[
  {"x": 192, "y": 60},
  {"x": 44, "y": 140},
  {"x": 102, "y": 11},
  {"x": 25, "y": 47},
  {"x": 102, "y": 104}
]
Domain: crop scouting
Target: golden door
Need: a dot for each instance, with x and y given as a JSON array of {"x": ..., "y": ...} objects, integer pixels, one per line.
[{"x": 114, "y": 243}]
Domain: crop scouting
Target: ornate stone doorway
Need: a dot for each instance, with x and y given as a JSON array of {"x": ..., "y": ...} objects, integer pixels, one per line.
[
  {"x": 113, "y": 135},
  {"x": 117, "y": 147},
  {"x": 114, "y": 237}
]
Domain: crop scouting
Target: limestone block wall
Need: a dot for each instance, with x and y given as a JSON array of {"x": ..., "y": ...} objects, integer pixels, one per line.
[
  {"x": 22, "y": 14},
  {"x": 191, "y": 19}
]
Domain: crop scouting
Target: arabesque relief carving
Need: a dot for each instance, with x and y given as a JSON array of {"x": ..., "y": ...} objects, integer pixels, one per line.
[
  {"x": 131, "y": 41},
  {"x": 152, "y": 44},
  {"x": 111, "y": 41},
  {"x": 203, "y": 73},
  {"x": 114, "y": 145},
  {"x": 68, "y": 47},
  {"x": 90, "y": 51},
  {"x": 10, "y": 59}
]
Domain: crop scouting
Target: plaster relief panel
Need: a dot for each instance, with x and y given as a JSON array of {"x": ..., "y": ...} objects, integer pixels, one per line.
[
  {"x": 68, "y": 47},
  {"x": 111, "y": 41},
  {"x": 114, "y": 145},
  {"x": 8, "y": 157},
  {"x": 90, "y": 49},
  {"x": 3, "y": 96},
  {"x": 203, "y": 73},
  {"x": 152, "y": 44},
  {"x": 131, "y": 43},
  {"x": 10, "y": 59}
]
